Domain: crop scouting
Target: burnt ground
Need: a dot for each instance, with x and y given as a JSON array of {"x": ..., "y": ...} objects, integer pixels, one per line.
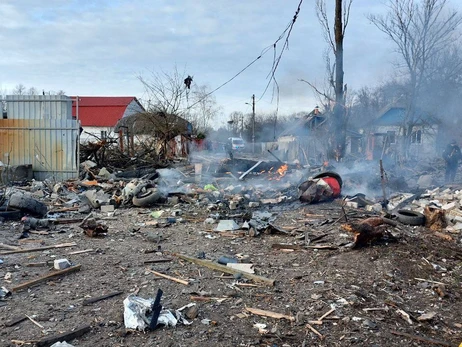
[{"x": 365, "y": 287}]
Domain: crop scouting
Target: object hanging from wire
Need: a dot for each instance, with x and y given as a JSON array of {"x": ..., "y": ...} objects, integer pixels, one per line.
[{"x": 187, "y": 81}]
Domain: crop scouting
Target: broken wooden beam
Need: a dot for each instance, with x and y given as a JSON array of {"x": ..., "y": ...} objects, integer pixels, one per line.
[
  {"x": 67, "y": 336},
  {"x": 174, "y": 279},
  {"x": 282, "y": 246},
  {"x": 421, "y": 338},
  {"x": 270, "y": 314},
  {"x": 15, "y": 321},
  {"x": 12, "y": 248},
  {"x": 38, "y": 249},
  {"x": 46, "y": 277},
  {"x": 154, "y": 261},
  {"x": 99, "y": 298},
  {"x": 329, "y": 247},
  {"x": 315, "y": 331},
  {"x": 226, "y": 269},
  {"x": 82, "y": 251}
]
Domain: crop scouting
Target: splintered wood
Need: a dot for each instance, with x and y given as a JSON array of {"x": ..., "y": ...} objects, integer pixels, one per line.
[{"x": 271, "y": 314}]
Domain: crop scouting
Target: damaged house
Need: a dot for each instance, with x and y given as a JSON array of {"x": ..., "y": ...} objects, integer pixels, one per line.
[
  {"x": 386, "y": 135},
  {"x": 167, "y": 134},
  {"x": 38, "y": 138},
  {"x": 99, "y": 115},
  {"x": 304, "y": 140},
  {"x": 307, "y": 140}
]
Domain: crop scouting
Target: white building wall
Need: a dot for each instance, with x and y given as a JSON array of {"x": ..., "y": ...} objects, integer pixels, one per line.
[{"x": 92, "y": 134}]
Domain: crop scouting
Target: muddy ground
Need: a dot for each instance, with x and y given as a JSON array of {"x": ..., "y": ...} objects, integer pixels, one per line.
[{"x": 367, "y": 288}]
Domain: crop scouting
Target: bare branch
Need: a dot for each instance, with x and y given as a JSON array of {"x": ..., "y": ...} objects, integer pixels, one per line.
[
  {"x": 318, "y": 91},
  {"x": 321, "y": 12}
]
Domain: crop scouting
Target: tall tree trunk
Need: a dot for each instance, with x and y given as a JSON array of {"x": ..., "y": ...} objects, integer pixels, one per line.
[{"x": 339, "y": 122}]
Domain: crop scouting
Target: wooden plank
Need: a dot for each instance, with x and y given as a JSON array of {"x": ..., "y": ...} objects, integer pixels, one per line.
[
  {"x": 67, "y": 336},
  {"x": 174, "y": 279},
  {"x": 12, "y": 248},
  {"x": 225, "y": 269},
  {"x": 46, "y": 277},
  {"x": 99, "y": 298},
  {"x": 38, "y": 249},
  {"x": 154, "y": 261},
  {"x": 271, "y": 314},
  {"x": 15, "y": 321},
  {"x": 82, "y": 251},
  {"x": 282, "y": 246}
]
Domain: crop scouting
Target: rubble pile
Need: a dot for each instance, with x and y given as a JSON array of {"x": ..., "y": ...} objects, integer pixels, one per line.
[
  {"x": 447, "y": 200},
  {"x": 248, "y": 252}
]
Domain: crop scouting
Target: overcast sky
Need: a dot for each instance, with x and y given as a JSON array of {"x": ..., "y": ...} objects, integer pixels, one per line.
[{"x": 99, "y": 47}]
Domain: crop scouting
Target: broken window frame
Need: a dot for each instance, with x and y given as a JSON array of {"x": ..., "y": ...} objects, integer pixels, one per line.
[
  {"x": 416, "y": 137},
  {"x": 391, "y": 135}
]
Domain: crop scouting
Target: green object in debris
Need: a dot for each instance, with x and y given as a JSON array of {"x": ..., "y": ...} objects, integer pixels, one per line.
[
  {"x": 157, "y": 214},
  {"x": 210, "y": 187}
]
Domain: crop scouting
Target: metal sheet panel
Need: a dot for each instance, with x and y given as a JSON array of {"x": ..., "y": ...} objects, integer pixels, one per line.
[
  {"x": 38, "y": 107},
  {"x": 50, "y": 145}
]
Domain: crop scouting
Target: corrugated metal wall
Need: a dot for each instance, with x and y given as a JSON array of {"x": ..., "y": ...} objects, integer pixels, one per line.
[{"x": 39, "y": 130}]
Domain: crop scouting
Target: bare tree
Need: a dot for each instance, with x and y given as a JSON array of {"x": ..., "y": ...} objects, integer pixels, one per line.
[
  {"x": 421, "y": 30},
  {"x": 205, "y": 109},
  {"x": 175, "y": 94},
  {"x": 20, "y": 89},
  {"x": 166, "y": 91},
  {"x": 32, "y": 91}
]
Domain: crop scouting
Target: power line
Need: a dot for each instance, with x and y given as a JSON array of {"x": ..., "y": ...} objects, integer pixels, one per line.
[{"x": 276, "y": 60}]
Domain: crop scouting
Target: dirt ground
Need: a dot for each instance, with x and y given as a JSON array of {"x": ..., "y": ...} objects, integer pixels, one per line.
[{"x": 370, "y": 289}]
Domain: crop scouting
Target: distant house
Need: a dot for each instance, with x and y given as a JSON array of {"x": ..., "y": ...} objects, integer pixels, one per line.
[
  {"x": 307, "y": 140},
  {"x": 99, "y": 115},
  {"x": 304, "y": 140},
  {"x": 386, "y": 135}
]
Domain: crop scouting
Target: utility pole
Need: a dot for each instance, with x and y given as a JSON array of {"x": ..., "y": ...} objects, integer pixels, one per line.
[{"x": 253, "y": 123}]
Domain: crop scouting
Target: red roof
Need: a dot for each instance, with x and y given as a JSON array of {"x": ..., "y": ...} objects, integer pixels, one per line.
[{"x": 101, "y": 111}]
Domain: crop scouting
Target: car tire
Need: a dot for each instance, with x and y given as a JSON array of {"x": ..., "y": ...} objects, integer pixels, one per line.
[
  {"x": 410, "y": 217},
  {"x": 10, "y": 213},
  {"x": 26, "y": 203},
  {"x": 147, "y": 198}
]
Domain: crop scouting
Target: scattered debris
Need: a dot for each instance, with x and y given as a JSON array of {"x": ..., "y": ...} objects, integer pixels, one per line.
[
  {"x": 99, "y": 298},
  {"x": 168, "y": 277},
  {"x": 369, "y": 231},
  {"x": 64, "y": 337},
  {"x": 142, "y": 314},
  {"x": 39, "y": 249},
  {"x": 46, "y": 278},
  {"x": 226, "y": 269}
]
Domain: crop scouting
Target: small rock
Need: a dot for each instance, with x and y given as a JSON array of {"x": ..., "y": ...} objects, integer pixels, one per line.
[
  {"x": 369, "y": 324},
  {"x": 209, "y": 221},
  {"x": 426, "y": 316}
]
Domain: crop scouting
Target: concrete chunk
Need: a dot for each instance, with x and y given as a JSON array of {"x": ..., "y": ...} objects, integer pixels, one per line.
[
  {"x": 60, "y": 264},
  {"x": 107, "y": 208},
  {"x": 450, "y": 206},
  {"x": 227, "y": 225}
]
